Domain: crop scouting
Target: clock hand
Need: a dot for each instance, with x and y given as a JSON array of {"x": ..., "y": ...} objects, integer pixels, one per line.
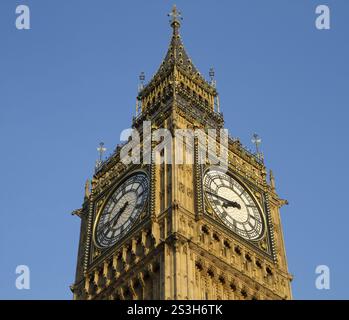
[
  {"x": 121, "y": 211},
  {"x": 115, "y": 218},
  {"x": 233, "y": 204},
  {"x": 228, "y": 203},
  {"x": 218, "y": 197}
]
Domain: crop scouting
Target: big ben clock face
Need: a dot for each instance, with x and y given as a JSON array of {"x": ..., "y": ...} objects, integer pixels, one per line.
[
  {"x": 121, "y": 210},
  {"x": 234, "y": 205}
]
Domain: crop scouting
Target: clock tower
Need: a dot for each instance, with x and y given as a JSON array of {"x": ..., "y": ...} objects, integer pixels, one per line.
[{"x": 160, "y": 228}]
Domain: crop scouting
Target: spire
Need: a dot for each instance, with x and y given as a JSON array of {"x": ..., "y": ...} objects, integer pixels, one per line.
[
  {"x": 178, "y": 59},
  {"x": 176, "y": 53},
  {"x": 176, "y": 18}
]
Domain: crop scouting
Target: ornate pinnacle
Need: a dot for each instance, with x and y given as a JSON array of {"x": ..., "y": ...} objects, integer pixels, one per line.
[
  {"x": 272, "y": 180},
  {"x": 176, "y": 17},
  {"x": 101, "y": 149},
  {"x": 257, "y": 141}
]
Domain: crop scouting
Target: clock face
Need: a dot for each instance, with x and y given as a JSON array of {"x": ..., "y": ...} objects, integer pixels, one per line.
[
  {"x": 121, "y": 210},
  {"x": 234, "y": 205}
]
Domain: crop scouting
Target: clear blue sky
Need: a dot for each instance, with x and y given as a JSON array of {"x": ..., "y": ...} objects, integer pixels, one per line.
[{"x": 71, "y": 81}]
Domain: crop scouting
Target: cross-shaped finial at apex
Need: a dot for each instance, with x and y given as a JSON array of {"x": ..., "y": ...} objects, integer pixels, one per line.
[{"x": 176, "y": 17}]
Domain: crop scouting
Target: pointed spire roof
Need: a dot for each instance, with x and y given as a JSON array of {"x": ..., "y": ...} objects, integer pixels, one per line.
[
  {"x": 176, "y": 53},
  {"x": 176, "y": 56}
]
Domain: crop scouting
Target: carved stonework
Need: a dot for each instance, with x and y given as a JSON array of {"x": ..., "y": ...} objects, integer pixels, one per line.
[{"x": 178, "y": 247}]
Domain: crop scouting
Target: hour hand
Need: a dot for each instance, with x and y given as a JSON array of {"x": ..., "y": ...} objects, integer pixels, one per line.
[
  {"x": 226, "y": 203},
  {"x": 232, "y": 204}
]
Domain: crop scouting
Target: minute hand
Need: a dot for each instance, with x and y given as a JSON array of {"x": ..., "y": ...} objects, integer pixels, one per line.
[
  {"x": 217, "y": 196},
  {"x": 118, "y": 215},
  {"x": 115, "y": 219}
]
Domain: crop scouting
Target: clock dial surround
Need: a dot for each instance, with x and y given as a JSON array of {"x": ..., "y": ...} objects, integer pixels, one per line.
[
  {"x": 121, "y": 210},
  {"x": 234, "y": 204}
]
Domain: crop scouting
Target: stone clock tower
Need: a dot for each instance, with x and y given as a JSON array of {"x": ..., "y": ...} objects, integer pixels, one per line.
[{"x": 163, "y": 229}]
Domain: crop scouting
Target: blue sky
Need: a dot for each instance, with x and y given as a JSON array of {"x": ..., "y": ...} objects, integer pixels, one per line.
[{"x": 71, "y": 81}]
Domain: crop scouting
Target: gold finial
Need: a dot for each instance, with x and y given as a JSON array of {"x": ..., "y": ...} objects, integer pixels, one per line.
[{"x": 176, "y": 17}]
